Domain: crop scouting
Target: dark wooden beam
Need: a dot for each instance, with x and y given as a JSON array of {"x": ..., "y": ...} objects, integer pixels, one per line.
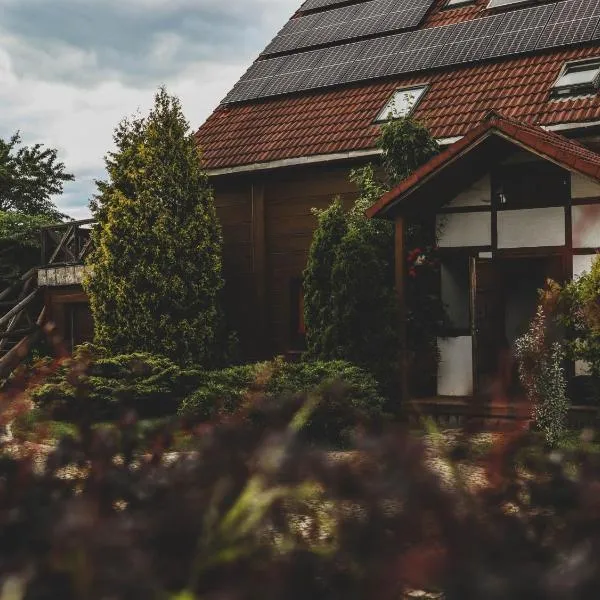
[
  {"x": 400, "y": 282},
  {"x": 259, "y": 265},
  {"x": 11, "y": 360}
]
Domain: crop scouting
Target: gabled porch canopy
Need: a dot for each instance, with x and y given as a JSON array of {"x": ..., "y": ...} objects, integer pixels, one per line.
[{"x": 492, "y": 140}]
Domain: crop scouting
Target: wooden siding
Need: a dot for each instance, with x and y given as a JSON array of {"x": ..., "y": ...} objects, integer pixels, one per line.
[
  {"x": 263, "y": 259},
  {"x": 289, "y": 225}
]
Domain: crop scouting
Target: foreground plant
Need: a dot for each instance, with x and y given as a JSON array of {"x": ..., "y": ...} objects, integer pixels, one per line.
[
  {"x": 542, "y": 374},
  {"x": 253, "y": 511}
]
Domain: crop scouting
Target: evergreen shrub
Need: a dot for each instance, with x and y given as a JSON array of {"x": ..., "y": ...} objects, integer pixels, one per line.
[{"x": 155, "y": 273}]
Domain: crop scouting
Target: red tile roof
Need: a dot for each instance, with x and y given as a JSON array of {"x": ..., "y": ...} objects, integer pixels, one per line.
[
  {"x": 442, "y": 15},
  {"x": 342, "y": 120},
  {"x": 567, "y": 153}
]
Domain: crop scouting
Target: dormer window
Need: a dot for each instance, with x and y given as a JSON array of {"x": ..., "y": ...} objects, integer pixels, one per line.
[
  {"x": 401, "y": 104},
  {"x": 578, "y": 78}
]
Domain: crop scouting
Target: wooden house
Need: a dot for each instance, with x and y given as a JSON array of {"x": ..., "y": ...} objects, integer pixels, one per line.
[{"x": 520, "y": 183}]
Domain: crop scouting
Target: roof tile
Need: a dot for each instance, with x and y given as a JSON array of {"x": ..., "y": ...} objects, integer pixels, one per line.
[{"x": 342, "y": 119}]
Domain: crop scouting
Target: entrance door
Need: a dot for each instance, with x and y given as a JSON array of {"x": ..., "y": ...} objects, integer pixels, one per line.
[{"x": 487, "y": 322}]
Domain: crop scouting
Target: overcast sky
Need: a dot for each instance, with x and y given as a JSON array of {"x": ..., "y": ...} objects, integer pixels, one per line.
[{"x": 71, "y": 69}]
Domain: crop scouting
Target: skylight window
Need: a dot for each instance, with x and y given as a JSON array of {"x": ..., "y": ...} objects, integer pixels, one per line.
[
  {"x": 502, "y": 3},
  {"x": 452, "y": 3},
  {"x": 402, "y": 103},
  {"x": 578, "y": 78}
]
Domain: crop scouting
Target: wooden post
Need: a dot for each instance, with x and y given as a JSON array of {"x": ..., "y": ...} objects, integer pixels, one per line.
[
  {"x": 259, "y": 266},
  {"x": 400, "y": 276}
]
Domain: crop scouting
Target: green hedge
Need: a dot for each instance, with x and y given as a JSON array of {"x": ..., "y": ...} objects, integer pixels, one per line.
[
  {"x": 155, "y": 387},
  {"x": 347, "y": 395}
]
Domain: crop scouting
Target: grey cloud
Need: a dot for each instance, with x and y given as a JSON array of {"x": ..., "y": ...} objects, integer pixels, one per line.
[{"x": 83, "y": 42}]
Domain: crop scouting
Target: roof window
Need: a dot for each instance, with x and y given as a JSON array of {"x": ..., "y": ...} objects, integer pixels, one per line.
[
  {"x": 502, "y": 3},
  {"x": 453, "y": 3},
  {"x": 577, "y": 78},
  {"x": 402, "y": 103}
]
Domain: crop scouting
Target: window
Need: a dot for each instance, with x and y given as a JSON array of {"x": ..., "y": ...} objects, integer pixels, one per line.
[
  {"x": 578, "y": 78},
  {"x": 455, "y": 284},
  {"x": 402, "y": 103},
  {"x": 503, "y": 3},
  {"x": 453, "y": 3}
]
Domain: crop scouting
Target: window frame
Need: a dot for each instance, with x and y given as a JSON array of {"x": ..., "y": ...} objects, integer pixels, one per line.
[
  {"x": 450, "y": 4},
  {"x": 508, "y": 5},
  {"x": 383, "y": 115},
  {"x": 567, "y": 91}
]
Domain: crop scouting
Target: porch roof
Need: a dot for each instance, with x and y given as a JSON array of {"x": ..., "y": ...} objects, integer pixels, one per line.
[{"x": 460, "y": 158}]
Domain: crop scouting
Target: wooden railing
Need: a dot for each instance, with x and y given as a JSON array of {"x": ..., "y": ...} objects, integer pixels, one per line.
[{"x": 66, "y": 243}]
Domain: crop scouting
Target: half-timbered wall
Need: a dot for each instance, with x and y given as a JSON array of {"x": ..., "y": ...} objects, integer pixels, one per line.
[{"x": 475, "y": 223}]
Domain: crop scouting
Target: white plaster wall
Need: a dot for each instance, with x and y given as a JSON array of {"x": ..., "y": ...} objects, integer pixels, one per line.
[
  {"x": 531, "y": 228},
  {"x": 455, "y": 371},
  {"x": 586, "y": 226},
  {"x": 581, "y": 264},
  {"x": 478, "y": 194},
  {"x": 465, "y": 229},
  {"x": 582, "y": 187}
]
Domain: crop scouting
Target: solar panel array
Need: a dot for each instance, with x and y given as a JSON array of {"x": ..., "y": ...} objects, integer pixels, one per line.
[
  {"x": 316, "y": 4},
  {"x": 505, "y": 34},
  {"x": 348, "y": 22}
]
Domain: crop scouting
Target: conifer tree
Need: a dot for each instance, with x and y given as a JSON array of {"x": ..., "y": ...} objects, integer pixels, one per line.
[
  {"x": 350, "y": 305},
  {"x": 154, "y": 275}
]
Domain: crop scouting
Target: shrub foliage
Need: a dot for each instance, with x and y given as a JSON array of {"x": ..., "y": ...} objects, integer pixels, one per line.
[
  {"x": 350, "y": 304},
  {"x": 541, "y": 371},
  {"x": 256, "y": 512},
  {"x": 348, "y": 396},
  {"x": 155, "y": 270},
  {"x": 98, "y": 388}
]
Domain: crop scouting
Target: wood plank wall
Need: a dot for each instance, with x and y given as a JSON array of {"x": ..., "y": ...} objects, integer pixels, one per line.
[{"x": 285, "y": 200}]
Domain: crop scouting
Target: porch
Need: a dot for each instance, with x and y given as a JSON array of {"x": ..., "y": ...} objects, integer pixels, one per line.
[
  {"x": 512, "y": 205},
  {"x": 48, "y": 295}
]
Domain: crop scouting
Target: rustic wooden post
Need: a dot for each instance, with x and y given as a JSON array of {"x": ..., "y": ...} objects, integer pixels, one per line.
[
  {"x": 259, "y": 265},
  {"x": 400, "y": 276}
]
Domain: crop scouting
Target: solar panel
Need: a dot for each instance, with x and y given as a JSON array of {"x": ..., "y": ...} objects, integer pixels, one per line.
[
  {"x": 285, "y": 83},
  {"x": 571, "y": 22},
  {"x": 247, "y": 90},
  {"x": 314, "y": 4},
  {"x": 519, "y": 31},
  {"x": 348, "y": 22},
  {"x": 468, "y": 41},
  {"x": 509, "y": 33},
  {"x": 561, "y": 34}
]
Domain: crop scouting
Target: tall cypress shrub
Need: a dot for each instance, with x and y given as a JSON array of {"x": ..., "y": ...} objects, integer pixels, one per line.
[
  {"x": 155, "y": 272},
  {"x": 318, "y": 311},
  {"x": 351, "y": 310}
]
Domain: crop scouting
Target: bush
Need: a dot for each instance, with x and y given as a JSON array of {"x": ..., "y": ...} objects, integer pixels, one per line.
[
  {"x": 99, "y": 388},
  {"x": 102, "y": 388},
  {"x": 348, "y": 396},
  {"x": 542, "y": 374},
  {"x": 255, "y": 512},
  {"x": 155, "y": 267}
]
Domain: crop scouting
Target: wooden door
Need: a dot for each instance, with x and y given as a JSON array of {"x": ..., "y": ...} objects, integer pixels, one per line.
[{"x": 487, "y": 322}]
